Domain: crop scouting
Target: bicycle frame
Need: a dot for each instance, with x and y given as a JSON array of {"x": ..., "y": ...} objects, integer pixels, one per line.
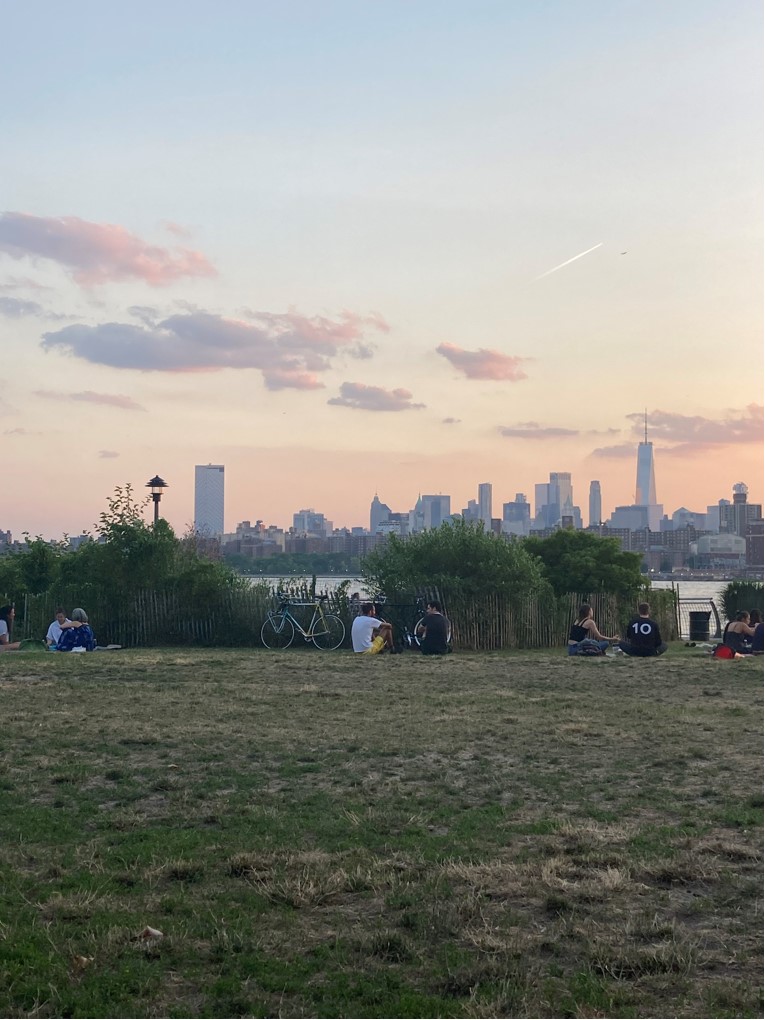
[{"x": 285, "y": 611}]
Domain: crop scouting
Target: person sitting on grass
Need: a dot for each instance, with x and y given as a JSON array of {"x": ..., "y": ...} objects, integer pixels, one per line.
[
  {"x": 54, "y": 631},
  {"x": 755, "y": 622},
  {"x": 433, "y": 632},
  {"x": 7, "y": 614},
  {"x": 76, "y": 633},
  {"x": 643, "y": 635},
  {"x": 738, "y": 634},
  {"x": 369, "y": 635},
  {"x": 583, "y": 627}
]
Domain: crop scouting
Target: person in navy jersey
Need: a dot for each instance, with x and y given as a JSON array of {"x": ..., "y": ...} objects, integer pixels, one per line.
[
  {"x": 433, "y": 632},
  {"x": 643, "y": 637}
]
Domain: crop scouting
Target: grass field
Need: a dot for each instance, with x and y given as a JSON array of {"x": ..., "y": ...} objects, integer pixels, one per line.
[{"x": 518, "y": 835}]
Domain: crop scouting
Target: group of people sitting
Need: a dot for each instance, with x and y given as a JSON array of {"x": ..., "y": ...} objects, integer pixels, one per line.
[
  {"x": 370, "y": 635},
  {"x": 744, "y": 635},
  {"x": 642, "y": 637},
  {"x": 64, "y": 635}
]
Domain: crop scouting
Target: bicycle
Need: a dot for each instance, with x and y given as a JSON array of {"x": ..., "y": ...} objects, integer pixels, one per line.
[
  {"x": 326, "y": 630},
  {"x": 407, "y": 617}
]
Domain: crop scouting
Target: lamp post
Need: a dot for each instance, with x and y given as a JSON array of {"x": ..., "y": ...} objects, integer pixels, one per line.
[{"x": 156, "y": 484}]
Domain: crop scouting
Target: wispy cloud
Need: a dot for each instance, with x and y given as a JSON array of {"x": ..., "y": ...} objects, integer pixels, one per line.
[
  {"x": 290, "y": 350},
  {"x": 374, "y": 398},
  {"x": 108, "y": 454},
  {"x": 619, "y": 450},
  {"x": 533, "y": 430},
  {"x": 451, "y": 421},
  {"x": 97, "y": 253},
  {"x": 16, "y": 308},
  {"x": 483, "y": 363},
  {"x": 89, "y": 397},
  {"x": 736, "y": 426}
]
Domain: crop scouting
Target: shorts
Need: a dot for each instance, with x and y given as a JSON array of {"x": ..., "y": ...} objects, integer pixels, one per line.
[{"x": 376, "y": 647}]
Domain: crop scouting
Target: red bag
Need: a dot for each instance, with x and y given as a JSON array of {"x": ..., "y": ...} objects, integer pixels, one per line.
[{"x": 723, "y": 652}]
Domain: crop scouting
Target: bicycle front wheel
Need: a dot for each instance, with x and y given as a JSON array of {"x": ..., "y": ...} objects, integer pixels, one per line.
[
  {"x": 328, "y": 633},
  {"x": 277, "y": 632}
]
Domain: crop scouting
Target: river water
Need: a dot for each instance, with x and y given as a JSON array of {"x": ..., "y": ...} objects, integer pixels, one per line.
[{"x": 699, "y": 590}]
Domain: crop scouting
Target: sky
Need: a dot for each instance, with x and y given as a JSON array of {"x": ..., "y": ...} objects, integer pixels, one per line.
[{"x": 335, "y": 247}]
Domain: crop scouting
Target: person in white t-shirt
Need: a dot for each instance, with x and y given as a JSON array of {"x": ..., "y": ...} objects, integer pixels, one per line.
[
  {"x": 370, "y": 635},
  {"x": 7, "y": 614},
  {"x": 54, "y": 631}
]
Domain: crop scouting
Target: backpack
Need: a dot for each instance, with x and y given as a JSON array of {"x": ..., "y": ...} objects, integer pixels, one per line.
[{"x": 588, "y": 646}]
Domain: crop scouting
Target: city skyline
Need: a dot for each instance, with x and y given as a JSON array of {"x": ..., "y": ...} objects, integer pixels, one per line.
[{"x": 404, "y": 248}]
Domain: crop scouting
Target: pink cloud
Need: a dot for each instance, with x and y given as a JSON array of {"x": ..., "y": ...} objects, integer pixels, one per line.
[
  {"x": 736, "y": 426},
  {"x": 290, "y": 350},
  {"x": 97, "y": 252},
  {"x": 374, "y": 398},
  {"x": 483, "y": 363},
  {"x": 89, "y": 397}
]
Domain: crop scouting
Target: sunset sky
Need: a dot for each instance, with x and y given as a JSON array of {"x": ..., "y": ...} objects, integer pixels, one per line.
[{"x": 312, "y": 240}]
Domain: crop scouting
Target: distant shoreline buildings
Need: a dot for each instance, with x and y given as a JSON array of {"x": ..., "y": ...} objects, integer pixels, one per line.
[{"x": 728, "y": 535}]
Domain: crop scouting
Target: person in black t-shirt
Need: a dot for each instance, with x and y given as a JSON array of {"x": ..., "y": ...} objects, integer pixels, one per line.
[
  {"x": 433, "y": 632},
  {"x": 643, "y": 635}
]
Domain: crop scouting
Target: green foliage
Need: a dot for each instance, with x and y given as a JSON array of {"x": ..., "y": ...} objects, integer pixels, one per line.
[
  {"x": 295, "y": 563},
  {"x": 456, "y": 558},
  {"x": 128, "y": 556},
  {"x": 739, "y": 595},
  {"x": 577, "y": 561}
]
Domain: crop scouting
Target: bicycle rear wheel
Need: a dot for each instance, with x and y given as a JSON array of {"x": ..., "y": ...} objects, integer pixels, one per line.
[
  {"x": 277, "y": 632},
  {"x": 329, "y": 632}
]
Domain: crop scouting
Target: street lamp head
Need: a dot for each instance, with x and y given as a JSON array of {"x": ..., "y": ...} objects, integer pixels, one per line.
[{"x": 156, "y": 484}]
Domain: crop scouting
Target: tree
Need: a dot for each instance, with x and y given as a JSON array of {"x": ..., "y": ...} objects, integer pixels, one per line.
[
  {"x": 458, "y": 558},
  {"x": 577, "y": 561}
]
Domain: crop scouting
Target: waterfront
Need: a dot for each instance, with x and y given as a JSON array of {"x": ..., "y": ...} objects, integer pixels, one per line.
[{"x": 686, "y": 589}]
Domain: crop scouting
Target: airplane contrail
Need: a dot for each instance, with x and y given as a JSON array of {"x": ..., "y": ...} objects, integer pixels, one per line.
[{"x": 568, "y": 261}]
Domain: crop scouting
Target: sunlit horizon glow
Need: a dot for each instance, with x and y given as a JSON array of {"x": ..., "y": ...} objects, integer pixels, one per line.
[{"x": 321, "y": 244}]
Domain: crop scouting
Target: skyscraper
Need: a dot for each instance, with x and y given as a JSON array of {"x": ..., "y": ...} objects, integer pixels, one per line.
[
  {"x": 208, "y": 499},
  {"x": 435, "y": 510},
  {"x": 484, "y": 505},
  {"x": 596, "y": 506},
  {"x": 379, "y": 513},
  {"x": 645, "y": 483}
]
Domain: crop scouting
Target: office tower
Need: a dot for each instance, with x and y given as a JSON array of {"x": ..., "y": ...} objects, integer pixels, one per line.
[
  {"x": 309, "y": 522},
  {"x": 484, "y": 505},
  {"x": 561, "y": 490},
  {"x": 208, "y": 499},
  {"x": 645, "y": 483},
  {"x": 737, "y": 517},
  {"x": 596, "y": 507},
  {"x": 470, "y": 513},
  {"x": 379, "y": 513},
  {"x": 516, "y": 516},
  {"x": 435, "y": 510}
]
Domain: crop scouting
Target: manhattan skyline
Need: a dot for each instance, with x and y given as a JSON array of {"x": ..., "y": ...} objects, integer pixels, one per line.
[{"x": 409, "y": 249}]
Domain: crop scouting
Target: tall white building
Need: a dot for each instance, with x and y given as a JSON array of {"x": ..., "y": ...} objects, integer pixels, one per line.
[
  {"x": 645, "y": 482},
  {"x": 484, "y": 505},
  {"x": 208, "y": 499},
  {"x": 596, "y": 506}
]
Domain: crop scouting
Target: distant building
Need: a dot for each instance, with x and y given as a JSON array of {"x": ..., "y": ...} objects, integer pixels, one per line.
[
  {"x": 379, "y": 513},
  {"x": 645, "y": 482},
  {"x": 516, "y": 516},
  {"x": 737, "y": 517},
  {"x": 309, "y": 522},
  {"x": 596, "y": 504},
  {"x": 209, "y": 499},
  {"x": 484, "y": 505}
]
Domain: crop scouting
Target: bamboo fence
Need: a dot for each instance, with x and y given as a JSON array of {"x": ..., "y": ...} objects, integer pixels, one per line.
[{"x": 234, "y": 617}]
